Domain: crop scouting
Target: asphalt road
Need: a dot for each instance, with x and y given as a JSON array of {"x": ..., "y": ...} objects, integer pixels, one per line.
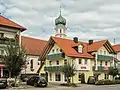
[{"x": 81, "y": 87}]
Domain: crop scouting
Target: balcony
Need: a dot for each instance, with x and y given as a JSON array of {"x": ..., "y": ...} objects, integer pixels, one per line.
[
  {"x": 53, "y": 68},
  {"x": 57, "y": 56},
  {"x": 104, "y": 57},
  {"x": 101, "y": 68},
  {"x": 6, "y": 40}
]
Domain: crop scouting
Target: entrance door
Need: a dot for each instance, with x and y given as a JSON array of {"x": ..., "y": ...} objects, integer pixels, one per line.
[{"x": 82, "y": 78}]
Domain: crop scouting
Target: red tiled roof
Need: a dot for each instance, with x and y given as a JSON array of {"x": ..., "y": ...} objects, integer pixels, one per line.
[
  {"x": 96, "y": 45},
  {"x": 32, "y": 45},
  {"x": 116, "y": 47},
  {"x": 67, "y": 46},
  {"x": 8, "y": 23}
]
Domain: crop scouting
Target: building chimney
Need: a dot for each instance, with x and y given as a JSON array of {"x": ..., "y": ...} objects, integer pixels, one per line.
[
  {"x": 75, "y": 39},
  {"x": 90, "y": 42}
]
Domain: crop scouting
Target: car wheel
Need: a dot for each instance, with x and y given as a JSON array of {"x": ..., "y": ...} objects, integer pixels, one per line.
[
  {"x": 35, "y": 84},
  {"x": 45, "y": 85}
]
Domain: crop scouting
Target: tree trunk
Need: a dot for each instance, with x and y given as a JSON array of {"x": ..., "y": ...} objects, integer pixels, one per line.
[
  {"x": 72, "y": 79},
  {"x": 113, "y": 78},
  {"x": 9, "y": 74},
  {"x": 15, "y": 81}
]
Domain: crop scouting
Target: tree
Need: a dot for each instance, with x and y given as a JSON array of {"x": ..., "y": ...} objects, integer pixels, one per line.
[
  {"x": 113, "y": 71},
  {"x": 14, "y": 58},
  {"x": 69, "y": 71}
]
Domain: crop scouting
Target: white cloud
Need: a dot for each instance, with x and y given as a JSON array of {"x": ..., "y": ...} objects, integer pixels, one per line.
[{"x": 93, "y": 19}]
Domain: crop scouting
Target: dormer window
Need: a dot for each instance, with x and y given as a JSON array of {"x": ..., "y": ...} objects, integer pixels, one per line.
[
  {"x": 57, "y": 50},
  {"x": 53, "y": 51},
  {"x": 80, "y": 48}
]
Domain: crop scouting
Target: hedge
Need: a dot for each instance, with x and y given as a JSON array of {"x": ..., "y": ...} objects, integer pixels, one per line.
[{"x": 104, "y": 82}]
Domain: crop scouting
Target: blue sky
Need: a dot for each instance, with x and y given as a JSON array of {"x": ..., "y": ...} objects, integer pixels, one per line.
[{"x": 86, "y": 19}]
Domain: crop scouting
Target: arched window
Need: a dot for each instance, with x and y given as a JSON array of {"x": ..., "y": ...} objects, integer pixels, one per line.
[
  {"x": 31, "y": 62},
  {"x": 60, "y": 30}
]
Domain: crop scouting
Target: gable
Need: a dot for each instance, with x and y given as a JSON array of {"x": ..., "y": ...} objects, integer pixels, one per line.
[
  {"x": 97, "y": 45},
  {"x": 55, "y": 49},
  {"x": 109, "y": 47},
  {"x": 103, "y": 51}
]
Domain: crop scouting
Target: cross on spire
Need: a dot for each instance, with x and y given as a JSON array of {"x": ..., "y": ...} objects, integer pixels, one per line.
[{"x": 60, "y": 9}]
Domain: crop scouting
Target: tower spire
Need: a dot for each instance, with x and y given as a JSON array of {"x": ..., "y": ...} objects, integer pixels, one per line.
[
  {"x": 60, "y": 26},
  {"x": 60, "y": 9}
]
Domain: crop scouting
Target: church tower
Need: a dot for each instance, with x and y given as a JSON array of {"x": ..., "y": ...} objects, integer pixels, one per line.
[{"x": 60, "y": 26}]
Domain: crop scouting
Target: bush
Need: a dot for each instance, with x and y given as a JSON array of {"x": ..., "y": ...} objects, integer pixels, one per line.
[
  {"x": 104, "y": 82},
  {"x": 117, "y": 82},
  {"x": 69, "y": 84}
]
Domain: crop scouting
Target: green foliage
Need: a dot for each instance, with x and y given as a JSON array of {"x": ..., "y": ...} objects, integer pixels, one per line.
[
  {"x": 69, "y": 71},
  {"x": 117, "y": 81},
  {"x": 104, "y": 82},
  {"x": 14, "y": 58},
  {"x": 113, "y": 71}
]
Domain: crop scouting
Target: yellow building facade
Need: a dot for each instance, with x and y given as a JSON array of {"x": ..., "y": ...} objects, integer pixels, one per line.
[{"x": 56, "y": 57}]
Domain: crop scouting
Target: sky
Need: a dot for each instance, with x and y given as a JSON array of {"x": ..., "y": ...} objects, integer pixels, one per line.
[{"x": 86, "y": 19}]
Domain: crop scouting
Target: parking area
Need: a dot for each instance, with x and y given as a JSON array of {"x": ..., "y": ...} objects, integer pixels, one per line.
[{"x": 80, "y": 87}]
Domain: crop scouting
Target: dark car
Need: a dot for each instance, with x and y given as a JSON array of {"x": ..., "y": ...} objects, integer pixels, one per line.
[
  {"x": 3, "y": 83},
  {"x": 37, "y": 81}
]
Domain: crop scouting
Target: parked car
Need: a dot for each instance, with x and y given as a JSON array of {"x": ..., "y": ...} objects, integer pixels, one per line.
[
  {"x": 37, "y": 81},
  {"x": 3, "y": 83}
]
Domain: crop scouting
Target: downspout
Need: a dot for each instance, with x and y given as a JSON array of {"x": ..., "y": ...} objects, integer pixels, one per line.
[{"x": 96, "y": 57}]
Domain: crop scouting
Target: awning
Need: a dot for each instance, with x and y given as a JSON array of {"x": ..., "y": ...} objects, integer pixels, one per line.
[{"x": 2, "y": 65}]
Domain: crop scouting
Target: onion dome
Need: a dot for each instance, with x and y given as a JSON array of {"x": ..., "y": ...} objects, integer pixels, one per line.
[{"x": 60, "y": 20}]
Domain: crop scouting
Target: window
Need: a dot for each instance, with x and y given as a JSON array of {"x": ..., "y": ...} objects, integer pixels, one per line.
[
  {"x": 31, "y": 62},
  {"x": 106, "y": 63},
  {"x": 80, "y": 61},
  {"x": 100, "y": 51},
  {"x": 2, "y": 52},
  {"x": 65, "y": 61},
  {"x": 57, "y": 62},
  {"x": 53, "y": 51},
  {"x": 100, "y": 63},
  {"x": 57, "y": 50},
  {"x": 50, "y": 62},
  {"x": 85, "y": 61},
  {"x": 104, "y": 52},
  {"x": 79, "y": 77},
  {"x": 57, "y": 77},
  {"x": 38, "y": 63},
  {"x": 65, "y": 77},
  {"x": 1, "y": 35},
  {"x": 60, "y": 31},
  {"x": 50, "y": 76},
  {"x": 60, "y": 50},
  {"x": 80, "y": 47}
]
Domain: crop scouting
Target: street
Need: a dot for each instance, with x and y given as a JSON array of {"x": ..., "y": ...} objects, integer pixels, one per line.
[{"x": 81, "y": 87}]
